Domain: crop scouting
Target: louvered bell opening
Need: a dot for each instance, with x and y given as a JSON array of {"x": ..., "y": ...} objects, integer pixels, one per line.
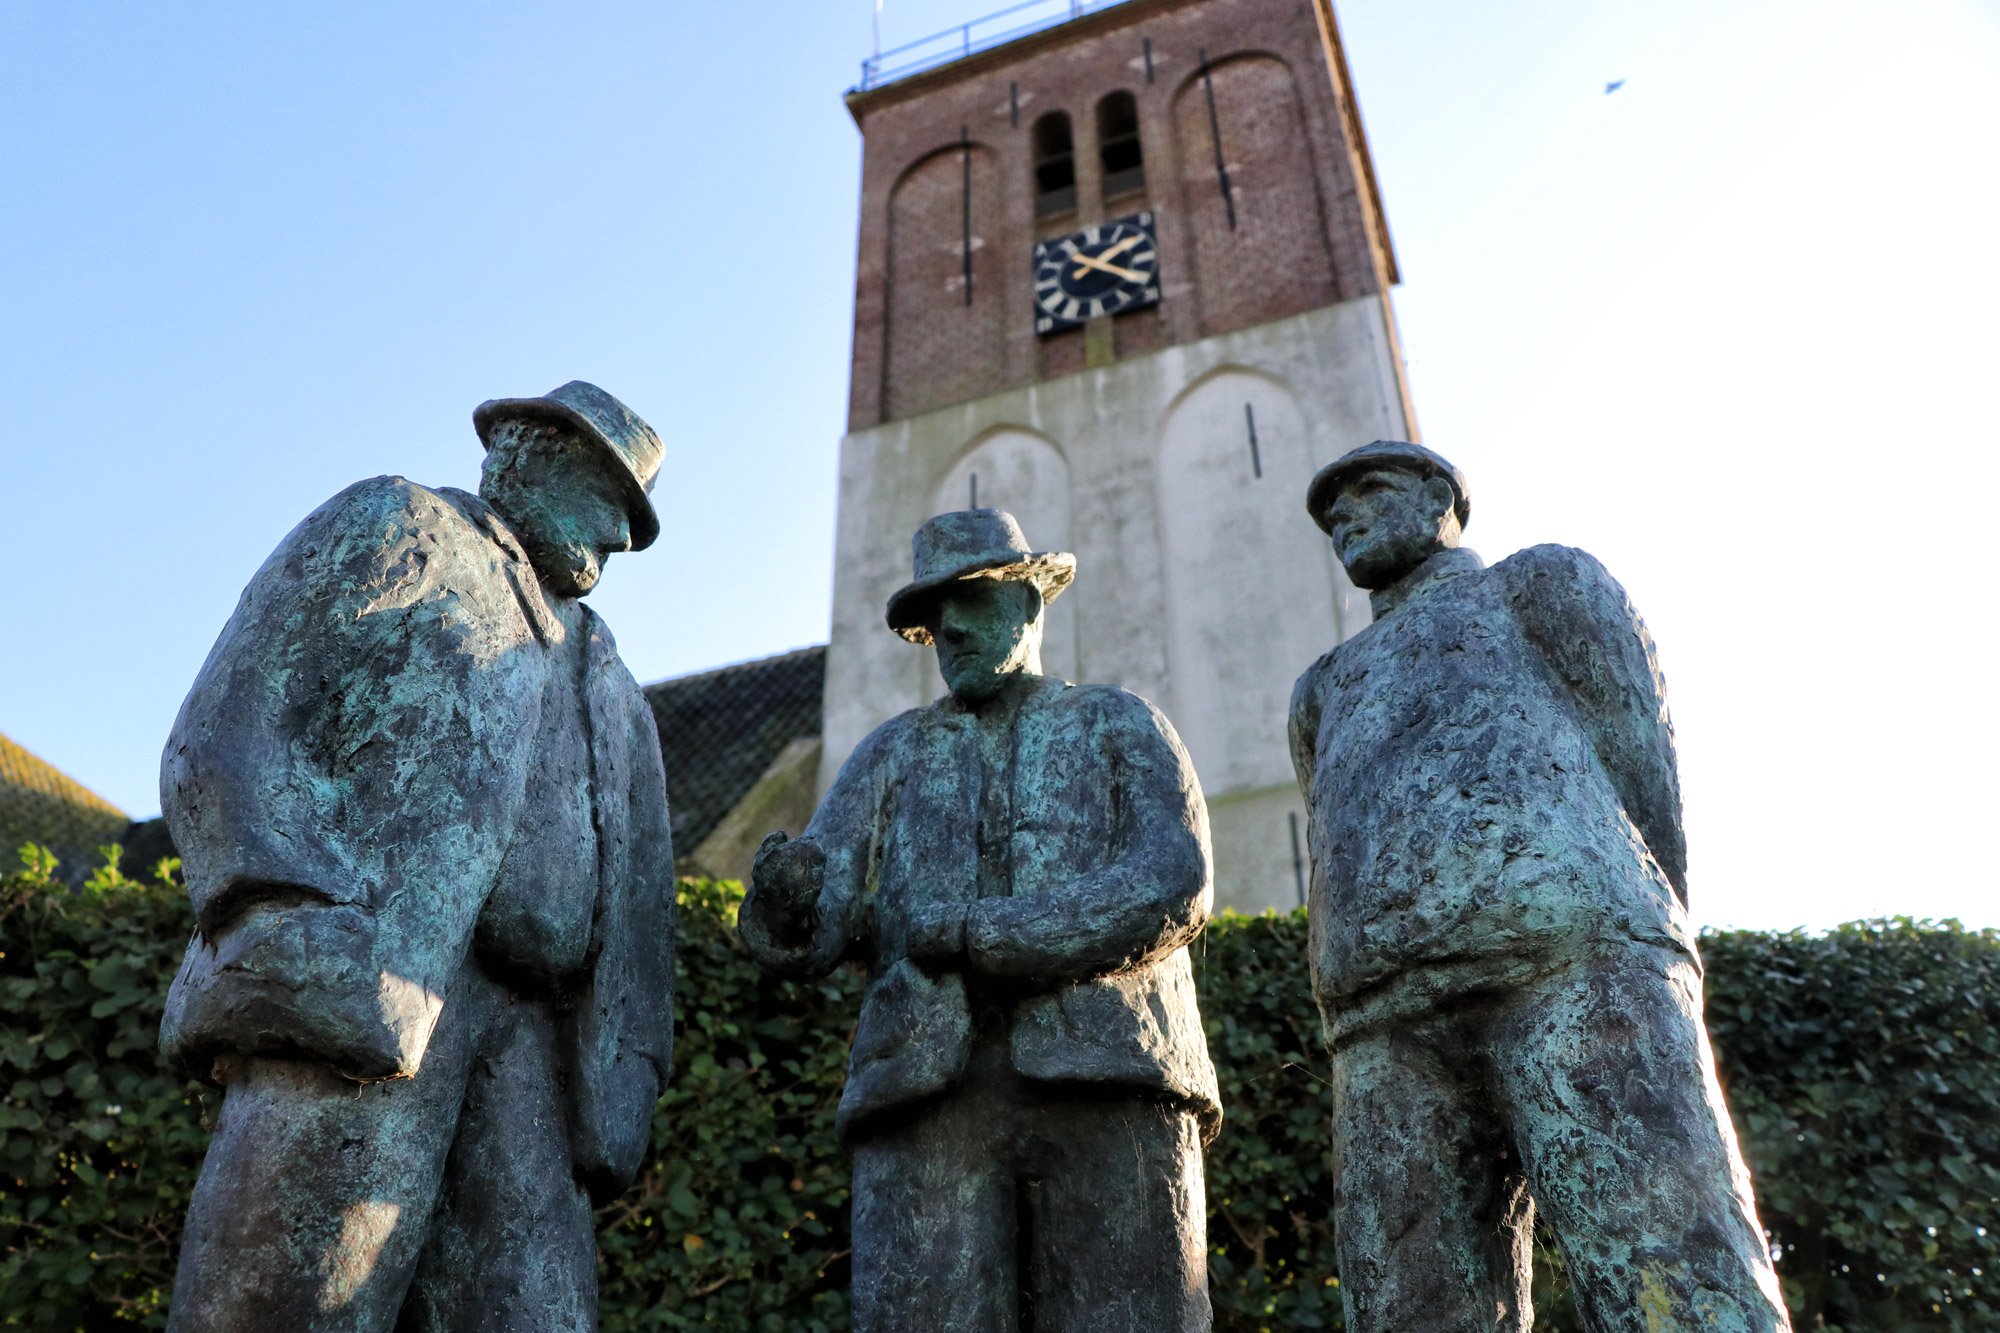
[
  {"x": 1118, "y": 145},
  {"x": 1055, "y": 166}
]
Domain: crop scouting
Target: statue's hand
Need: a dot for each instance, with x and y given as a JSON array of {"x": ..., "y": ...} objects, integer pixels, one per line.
[
  {"x": 936, "y": 934},
  {"x": 786, "y": 876}
]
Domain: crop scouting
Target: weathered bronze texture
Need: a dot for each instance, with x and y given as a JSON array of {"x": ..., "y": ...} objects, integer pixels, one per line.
[
  {"x": 421, "y": 811},
  {"x": 1500, "y": 944},
  {"x": 1022, "y": 866}
]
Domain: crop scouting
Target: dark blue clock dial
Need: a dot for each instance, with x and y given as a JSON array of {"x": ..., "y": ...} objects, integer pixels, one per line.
[{"x": 1101, "y": 270}]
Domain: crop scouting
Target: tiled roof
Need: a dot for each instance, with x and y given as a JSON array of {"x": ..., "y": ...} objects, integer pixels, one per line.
[
  {"x": 40, "y": 804},
  {"x": 720, "y": 730}
]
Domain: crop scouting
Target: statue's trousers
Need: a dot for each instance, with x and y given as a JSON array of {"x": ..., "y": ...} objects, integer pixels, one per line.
[
  {"x": 1594, "y": 1092},
  {"x": 447, "y": 1200}
]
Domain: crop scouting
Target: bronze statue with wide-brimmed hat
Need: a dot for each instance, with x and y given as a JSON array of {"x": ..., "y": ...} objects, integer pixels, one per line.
[
  {"x": 972, "y": 544},
  {"x": 613, "y": 432},
  {"x": 422, "y": 816},
  {"x": 1023, "y": 865}
]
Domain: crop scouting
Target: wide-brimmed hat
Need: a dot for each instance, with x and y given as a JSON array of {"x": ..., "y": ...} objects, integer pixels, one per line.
[
  {"x": 1398, "y": 454},
  {"x": 627, "y": 442},
  {"x": 972, "y": 544}
]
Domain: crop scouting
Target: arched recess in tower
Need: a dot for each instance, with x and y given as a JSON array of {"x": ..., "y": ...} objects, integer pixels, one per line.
[
  {"x": 1026, "y": 475},
  {"x": 1252, "y": 596},
  {"x": 942, "y": 346},
  {"x": 1277, "y": 259}
]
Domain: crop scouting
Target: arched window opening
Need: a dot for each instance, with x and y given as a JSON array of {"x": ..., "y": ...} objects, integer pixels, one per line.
[
  {"x": 1118, "y": 145},
  {"x": 1055, "y": 165}
]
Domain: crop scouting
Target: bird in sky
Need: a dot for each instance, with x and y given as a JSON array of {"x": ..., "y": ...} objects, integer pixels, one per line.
[{"x": 1613, "y": 86}]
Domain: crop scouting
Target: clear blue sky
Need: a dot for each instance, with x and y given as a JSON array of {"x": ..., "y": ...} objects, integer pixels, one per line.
[{"x": 1731, "y": 327}]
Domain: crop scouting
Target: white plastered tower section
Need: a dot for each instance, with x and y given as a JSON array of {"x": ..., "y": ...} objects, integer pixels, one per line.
[{"x": 1178, "y": 478}]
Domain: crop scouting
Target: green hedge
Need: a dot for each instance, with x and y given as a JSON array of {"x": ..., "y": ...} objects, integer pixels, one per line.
[
  {"x": 1860, "y": 1066},
  {"x": 1863, "y": 1070}
]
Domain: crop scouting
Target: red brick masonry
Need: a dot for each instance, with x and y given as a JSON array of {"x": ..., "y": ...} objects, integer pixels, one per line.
[{"x": 1308, "y": 233}]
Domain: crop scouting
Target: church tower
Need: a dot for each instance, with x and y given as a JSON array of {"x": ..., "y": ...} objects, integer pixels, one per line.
[{"x": 1125, "y": 276}]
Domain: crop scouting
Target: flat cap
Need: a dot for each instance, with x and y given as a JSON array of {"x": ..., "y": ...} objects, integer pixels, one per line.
[{"x": 1398, "y": 454}]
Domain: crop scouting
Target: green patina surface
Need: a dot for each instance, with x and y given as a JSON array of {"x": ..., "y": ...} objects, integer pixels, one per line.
[
  {"x": 1501, "y": 952},
  {"x": 423, "y": 819},
  {"x": 1021, "y": 868}
]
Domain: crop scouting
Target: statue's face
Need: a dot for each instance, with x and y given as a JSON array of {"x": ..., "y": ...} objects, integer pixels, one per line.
[
  {"x": 563, "y": 500},
  {"x": 1387, "y": 522},
  {"x": 986, "y": 631}
]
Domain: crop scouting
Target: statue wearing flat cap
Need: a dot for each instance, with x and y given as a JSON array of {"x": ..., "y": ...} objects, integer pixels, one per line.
[
  {"x": 421, "y": 812},
  {"x": 1500, "y": 943},
  {"x": 1021, "y": 865}
]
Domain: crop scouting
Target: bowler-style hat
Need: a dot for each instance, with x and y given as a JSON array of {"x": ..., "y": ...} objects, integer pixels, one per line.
[
  {"x": 972, "y": 544},
  {"x": 1398, "y": 454},
  {"x": 622, "y": 439}
]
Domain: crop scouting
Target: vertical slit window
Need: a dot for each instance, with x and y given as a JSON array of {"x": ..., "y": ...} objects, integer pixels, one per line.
[
  {"x": 1118, "y": 145},
  {"x": 1055, "y": 166}
]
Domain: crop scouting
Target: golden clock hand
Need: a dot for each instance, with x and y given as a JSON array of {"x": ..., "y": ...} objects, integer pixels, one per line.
[
  {"x": 1100, "y": 261},
  {"x": 1091, "y": 261},
  {"x": 1120, "y": 248}
]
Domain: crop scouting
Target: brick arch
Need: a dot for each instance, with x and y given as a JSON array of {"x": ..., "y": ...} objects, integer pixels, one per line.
[
  {"x": 937, "y": 349},
  {"x": 1277, "y": 260}
]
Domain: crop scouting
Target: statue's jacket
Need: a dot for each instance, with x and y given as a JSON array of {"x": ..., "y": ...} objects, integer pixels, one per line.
[
  {"x": 1493, "y": 788},
  {"x": 399, "y": 755},
  {"x": 1073, "y": 846}
]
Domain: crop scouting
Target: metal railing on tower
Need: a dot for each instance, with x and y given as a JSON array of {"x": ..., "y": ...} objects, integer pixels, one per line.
[{"x": 981, "y": 34}]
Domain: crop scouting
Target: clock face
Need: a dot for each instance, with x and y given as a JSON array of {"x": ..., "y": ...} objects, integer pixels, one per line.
[{"x": 1101, "y": 270}]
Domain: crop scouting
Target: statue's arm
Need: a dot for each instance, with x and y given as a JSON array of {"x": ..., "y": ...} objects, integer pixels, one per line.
[
  {"x": 1151, "y": 898},
  {"x": 1592, "y": 637},
  {"x": 619, "y": 1029},
  {"x": 802, "y": 913},
  {"x": 343, "y": 778},
  {"x": 324, "y": 746},
  {"x": 1302, "y": 728}
]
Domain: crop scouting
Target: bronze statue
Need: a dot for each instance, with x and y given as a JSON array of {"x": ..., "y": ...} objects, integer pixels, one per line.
[
  {"x": 1500, "y": 944},
  {"x": 422, "y": 815},
  {"x": 1022, "y": 866}
]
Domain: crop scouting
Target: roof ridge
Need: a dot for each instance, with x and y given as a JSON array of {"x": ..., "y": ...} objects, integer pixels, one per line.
[
  {"x": 20, "y": 767},
  {"x": 738, "y": 666}
]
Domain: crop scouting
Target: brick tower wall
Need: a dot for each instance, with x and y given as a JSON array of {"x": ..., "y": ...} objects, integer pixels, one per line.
[
  {"x": 1168, "y": 447},
  {"x": 1307, "y": 234}
]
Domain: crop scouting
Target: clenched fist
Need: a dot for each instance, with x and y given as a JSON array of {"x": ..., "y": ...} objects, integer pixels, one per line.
[{"x": 785, "y": 883}]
